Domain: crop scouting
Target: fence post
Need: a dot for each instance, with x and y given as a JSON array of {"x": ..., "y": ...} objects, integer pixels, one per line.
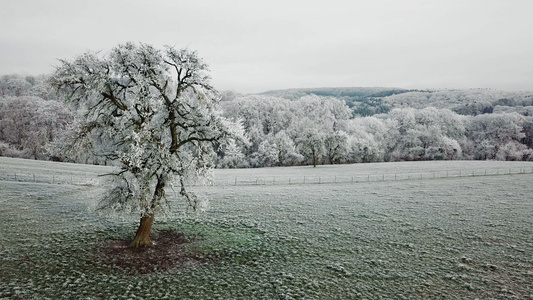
[{"x": 235, "y": 180}]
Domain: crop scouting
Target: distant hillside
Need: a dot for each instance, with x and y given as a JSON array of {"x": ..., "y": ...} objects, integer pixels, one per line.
[
  {"x": 365, "y": 101},
  {"x": 465, "y": 101}
]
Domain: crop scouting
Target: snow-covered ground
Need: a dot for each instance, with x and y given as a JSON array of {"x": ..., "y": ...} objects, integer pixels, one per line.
[{"x": 433, "y": 231}]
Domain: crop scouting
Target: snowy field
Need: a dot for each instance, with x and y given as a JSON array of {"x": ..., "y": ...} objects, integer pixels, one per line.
[{"x": 417, "y": 230}]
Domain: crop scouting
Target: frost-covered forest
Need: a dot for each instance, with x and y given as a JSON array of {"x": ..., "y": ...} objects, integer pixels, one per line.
[
  {"x": 310, "y": 126},
  {"x": 31, "y": 117}
]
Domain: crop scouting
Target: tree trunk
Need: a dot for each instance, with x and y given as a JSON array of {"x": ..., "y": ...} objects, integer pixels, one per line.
[
  {"x": 142, "y": 237},
  {"x": 313, "y": 151}
]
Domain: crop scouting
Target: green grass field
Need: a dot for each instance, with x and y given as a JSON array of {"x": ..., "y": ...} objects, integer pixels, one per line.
[{"x": 419, "y": 230}]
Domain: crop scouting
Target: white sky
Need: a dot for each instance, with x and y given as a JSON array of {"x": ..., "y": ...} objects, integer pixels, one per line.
[{"x": 254, "y": 46}]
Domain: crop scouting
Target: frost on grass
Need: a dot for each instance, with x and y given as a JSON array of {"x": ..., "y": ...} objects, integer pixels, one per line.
[{"x": 453, "y": 238}]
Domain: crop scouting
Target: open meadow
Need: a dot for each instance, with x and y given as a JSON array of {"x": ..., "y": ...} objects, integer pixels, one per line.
[{"x": 410, "y": 230}]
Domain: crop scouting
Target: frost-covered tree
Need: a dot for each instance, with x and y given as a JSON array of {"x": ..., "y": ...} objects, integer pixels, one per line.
[
  {"x": 14, "y": 85},
  {"x": 268, "y": 153},
  {"x": 310, "y": 140},
  {"x": 366, "y": 140},
  {"x": 426, "y": 134},
  {"x": 232, "y": 157},
  {"x": 16, "y": 115},
  {"x": 490, "y": 132},
  {"x": 28, "y": 124},
  {"x": 151, "y": 111},
  {"x": 294, "y": 129},
  {"x": 336, "y": 147},
  {"x": 287, "y": 154}
]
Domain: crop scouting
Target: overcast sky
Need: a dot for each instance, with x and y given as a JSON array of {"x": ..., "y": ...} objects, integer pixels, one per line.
[{"x": 254, "y": 46}]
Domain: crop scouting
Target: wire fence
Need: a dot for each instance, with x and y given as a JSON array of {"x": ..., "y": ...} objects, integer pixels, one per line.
[
  {"x": 359, "y": 178},
  {"x": 50, "y": 179},
  {"x": 282, "y": 180}
]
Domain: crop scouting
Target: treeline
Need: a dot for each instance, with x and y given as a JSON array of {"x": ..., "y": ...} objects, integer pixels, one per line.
[
  {"x": 368, "y": 101},
  {"x": 321, "y": 130},
  {"x": 299, "y": 127},
  {"x": 363, "y": 101},
  {"x": 31, "y": 117},
  {"x": 470, "y": 102}
]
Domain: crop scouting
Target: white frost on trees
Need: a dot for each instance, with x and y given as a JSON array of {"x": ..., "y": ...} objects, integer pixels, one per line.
[
  {"x": 28, "y": 124},
  {"x": 153, "y": 112}
]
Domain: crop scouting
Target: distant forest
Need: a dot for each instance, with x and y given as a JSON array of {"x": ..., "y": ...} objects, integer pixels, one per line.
[
  {"x": 364, "y": 101},
  {"x": 368, "y": 101},
  {"x": 308, "y": 126}
]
